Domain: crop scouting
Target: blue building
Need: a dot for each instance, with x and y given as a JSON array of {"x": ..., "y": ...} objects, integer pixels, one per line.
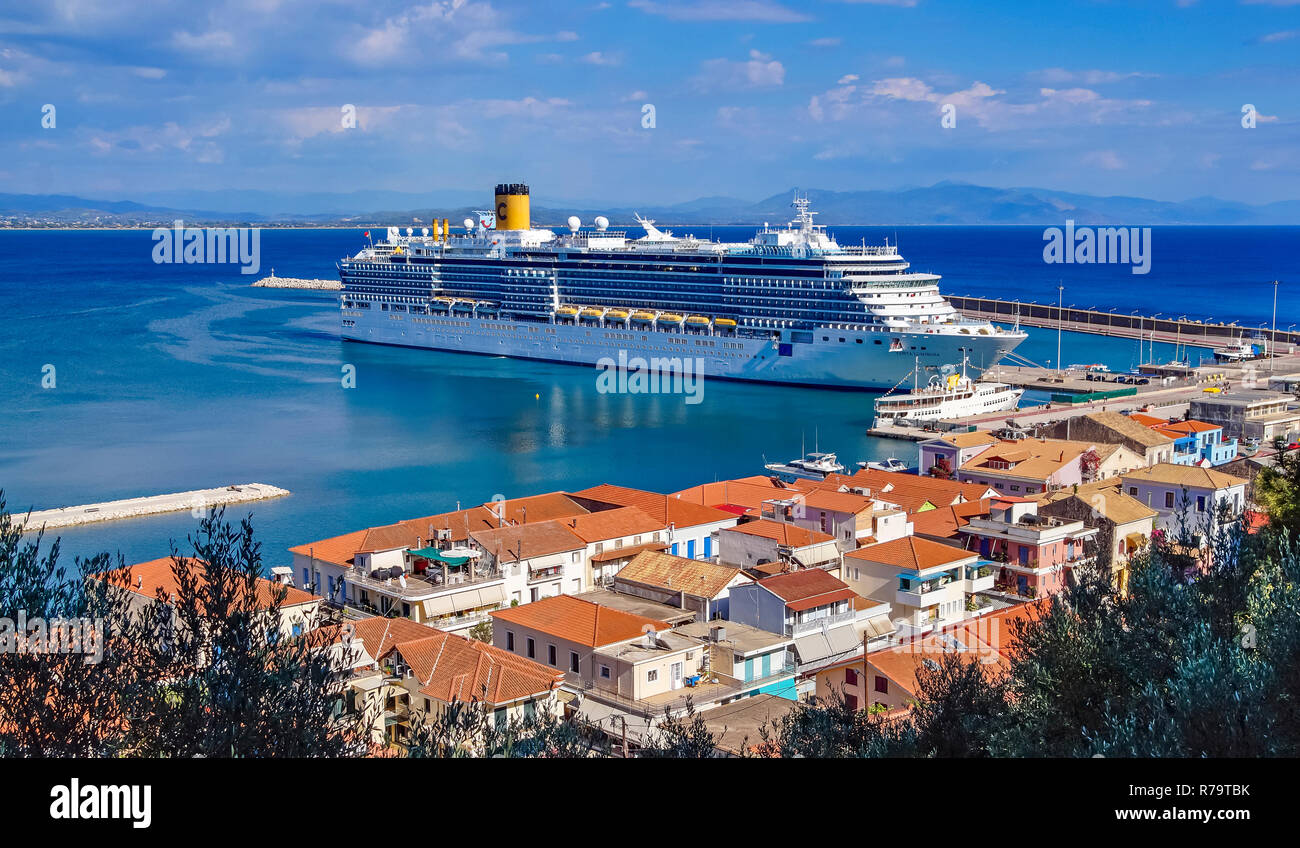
[{"x": 1198, "y": 443}]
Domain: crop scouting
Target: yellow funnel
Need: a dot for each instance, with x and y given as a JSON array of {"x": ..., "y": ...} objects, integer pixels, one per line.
[{"x": 512, "y": 207}]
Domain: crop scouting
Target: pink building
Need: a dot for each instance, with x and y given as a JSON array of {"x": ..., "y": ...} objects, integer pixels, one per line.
[{"x": 1033, "y": 555}]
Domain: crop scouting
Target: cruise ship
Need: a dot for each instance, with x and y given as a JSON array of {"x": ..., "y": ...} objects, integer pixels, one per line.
[{"x": 789, "y": 306}]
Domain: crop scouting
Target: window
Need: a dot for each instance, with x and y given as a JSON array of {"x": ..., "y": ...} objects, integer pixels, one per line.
[
  {"x": 573, "y": 661},
  {"x": 882, "y": 685},
  {"x": 1200, "y": 503},
  {"x": 532, "y": 649},
  {"x": 1169, "y": 499},
  {"x": 1133, "y": 490},
  {"x": 850, "y": 677},
  {"x": 604, "y": 672},
  {"x": 550, "y": 654},
  {"x": 510, "y": 640},
  {"x": 652, "y": 675},
  {"x": 427, "y": 706}
]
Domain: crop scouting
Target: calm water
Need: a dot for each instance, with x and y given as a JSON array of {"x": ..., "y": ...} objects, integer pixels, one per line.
[{"x": 182, "y": 377}]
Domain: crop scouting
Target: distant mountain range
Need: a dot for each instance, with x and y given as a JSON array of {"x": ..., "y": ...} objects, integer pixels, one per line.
[{"x": 944, "y": 203}]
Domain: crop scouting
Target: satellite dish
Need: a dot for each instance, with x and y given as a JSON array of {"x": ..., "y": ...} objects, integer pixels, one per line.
[
  {"x": 469, "y": 223},
  {"x": 602, "y": 223},
  {"x": 408, "y": 231},
  {"x": 574, "y": 223},
  {"x": 424, "y": 231}
]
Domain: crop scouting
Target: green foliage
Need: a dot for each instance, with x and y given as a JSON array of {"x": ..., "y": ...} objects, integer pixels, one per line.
[
  {"x": 684, "y": 736},
  {"x": 482, "y": 631},
  {"x": 466, "y": 729},
  {"x": 1277, "y": 490}
]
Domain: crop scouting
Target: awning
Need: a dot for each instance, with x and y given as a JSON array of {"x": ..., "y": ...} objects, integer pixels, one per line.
[
  {"x": 877, "y": 626},
  {"x": 435, "y": 554},
  {"x": 814, "y": 648},
  {"x": 439, "y": 606},
  {"x": 1135, "y": 540},
  {"x": 632, "y": 550},
  {"x": 844, "y": 640}
]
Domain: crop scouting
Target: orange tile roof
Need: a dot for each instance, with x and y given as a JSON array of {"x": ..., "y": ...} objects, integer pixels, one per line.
[
  {"x": 378, "y": 634},
  {"x": 524, "y": 541},
  {"x": 338, "y": 550},
  {"x": 746, "y": 491},
  {"x": 1191, "y": 426},
  {"x": 837, "y": 501},
  {"x": 1035, "y": 459},
  {"x": 665, "y": 571},
  {"x": 147, "y": 578},
  {"x": 578, "y": 620},
  {"x": 911, "y": 554},
  {"x": 460, "y": 523},
  {"x": 945, "y": 520},
  {"x": 804, "y": 584},
  {"x": 667, "y": 509},
  {"x": 453, "y": 668},
  {"x": 536, "y": 508},
  {"x": 781, "y": 532},
  {"x": 612, "y": 524},
  {"x": 1147, "y": 420}
]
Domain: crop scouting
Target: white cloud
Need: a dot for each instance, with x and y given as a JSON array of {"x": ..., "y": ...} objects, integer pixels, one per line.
[
  {"x": 1059, "y": 76},
  {"x": 826, "y": 42},
  {"x": 759, "y": 71},
  {"x": 1274, "y": 37},
  {"x": 596, "y": 57},
  {"x": 846, "y": 79},
  {"x": 1105, "y": 159},
  {"x": 722, "y": 10},
  {"x": 212, "y": 41}
]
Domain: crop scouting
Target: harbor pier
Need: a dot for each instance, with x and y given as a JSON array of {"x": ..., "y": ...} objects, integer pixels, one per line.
[
  {"x": 199, "y": 499},
  {"x": 1130, "y": 325}
]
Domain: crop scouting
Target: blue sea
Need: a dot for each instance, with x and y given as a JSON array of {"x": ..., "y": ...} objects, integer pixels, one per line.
[{"x": 178, "y": 377}]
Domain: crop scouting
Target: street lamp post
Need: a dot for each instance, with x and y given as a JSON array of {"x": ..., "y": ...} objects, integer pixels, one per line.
[
  {"x": 1060, "y": 294},
  {"x": 1272, "y": 341}
]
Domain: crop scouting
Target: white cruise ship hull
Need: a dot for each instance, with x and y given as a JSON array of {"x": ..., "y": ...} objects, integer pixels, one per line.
[{"x": 833, "y": 358}]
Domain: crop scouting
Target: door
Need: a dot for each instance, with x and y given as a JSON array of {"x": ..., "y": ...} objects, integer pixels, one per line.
[
  {"x": 708, "y": 546},
  {"x": 984, "y": 548},
  {"x": 767, "y": 665},
  {"x": 675, "y": 675},
  {"x": 690, "y": 549}
]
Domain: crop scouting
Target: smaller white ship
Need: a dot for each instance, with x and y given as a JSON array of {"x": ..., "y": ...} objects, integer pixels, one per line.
[
  {"x": 814, "y": 466},
  {"x": 947, "y": 396},
  {"x": 892, "y": 464},
  {"x": 1236, "y": 352}
]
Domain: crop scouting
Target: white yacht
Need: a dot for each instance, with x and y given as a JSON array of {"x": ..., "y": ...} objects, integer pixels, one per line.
[
  {"x": 814, "y": 466},
  {"x": 1238, "y": 351},
  {"x": 947, "y": 396}
]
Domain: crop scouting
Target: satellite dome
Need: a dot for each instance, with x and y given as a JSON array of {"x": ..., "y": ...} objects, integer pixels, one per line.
[
  {"x": 574, "y": 223},
  {"x": 408, "y": 231},
  {"x": 424, "y": 231},
  {"x": 602, "y": 223},
  {"x": 469, "y": 223}
]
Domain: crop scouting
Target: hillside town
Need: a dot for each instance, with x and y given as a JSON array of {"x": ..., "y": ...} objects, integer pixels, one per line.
[{"x": 618, "y": 607}]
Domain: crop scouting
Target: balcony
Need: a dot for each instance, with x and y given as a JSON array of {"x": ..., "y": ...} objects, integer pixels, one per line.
[
  {"x": 418, "y": 586},
  {"x": 979, "y": 578},
  {"x": 815, "y": 625},
  {"x": 536, "y": 575}
]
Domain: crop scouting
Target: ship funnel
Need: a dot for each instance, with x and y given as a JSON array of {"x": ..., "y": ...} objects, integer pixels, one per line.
[
  {"x": 512, "y": 207},
  {"x": 446, "y": 229},
  {"x": 435, "y": 229}
]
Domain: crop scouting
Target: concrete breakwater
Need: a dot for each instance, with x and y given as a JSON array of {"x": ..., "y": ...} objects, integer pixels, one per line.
[
  {"x": 196, "y": 501},
  {"x": 274, "y": 282}
]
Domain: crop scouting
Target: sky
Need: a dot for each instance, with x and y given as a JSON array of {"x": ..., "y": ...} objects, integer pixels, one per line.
[{"x": 748, "y": 97}]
